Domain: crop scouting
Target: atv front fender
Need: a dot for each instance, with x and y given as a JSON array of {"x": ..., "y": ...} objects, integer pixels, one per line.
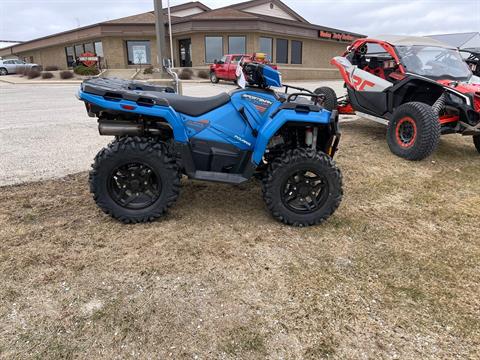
[{"x": 280, "y": 118}]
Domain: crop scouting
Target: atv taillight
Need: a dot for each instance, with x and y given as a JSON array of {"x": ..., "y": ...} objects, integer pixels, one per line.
[
  {"x": 476, "y": 101},
  {"x": 128, "y": 107}
]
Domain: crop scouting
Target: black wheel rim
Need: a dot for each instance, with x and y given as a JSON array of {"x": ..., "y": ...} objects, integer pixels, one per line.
[
  {"x": 305, "y": 191},
  {"x": 134, "y": 186}
]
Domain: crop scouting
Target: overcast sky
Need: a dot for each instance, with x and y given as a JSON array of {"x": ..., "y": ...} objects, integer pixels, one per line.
[{"x": 29, "y": 19}]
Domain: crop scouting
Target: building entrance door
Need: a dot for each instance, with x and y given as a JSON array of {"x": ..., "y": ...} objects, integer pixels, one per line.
[{"x": 185, "y": 47}]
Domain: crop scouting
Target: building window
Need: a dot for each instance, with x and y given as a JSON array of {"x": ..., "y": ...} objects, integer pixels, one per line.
[
  {"x": 89, "y": 48},
  {"x": 266, "y": 46},
  {"x": 99, "y": 48},
  {"x": 296, "y": 55},
  {"x": 70, "y": 56},
  {"x": 213, "y": 48},
  {"x": 236, "y": 44},
  {"x": 138, "y": 52},
  {"x": 79, "y": 50},
  {"x": 282, "y": 51}
]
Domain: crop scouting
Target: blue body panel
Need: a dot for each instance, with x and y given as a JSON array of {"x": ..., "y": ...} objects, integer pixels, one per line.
[
  {"x": 166, "y": 112},
  {"x": 224, "y": 124}
]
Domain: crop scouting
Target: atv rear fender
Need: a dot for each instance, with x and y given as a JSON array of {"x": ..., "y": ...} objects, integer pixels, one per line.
[
  {"x": 281, "y": 117},
  {"x": 163, "y": 111}
]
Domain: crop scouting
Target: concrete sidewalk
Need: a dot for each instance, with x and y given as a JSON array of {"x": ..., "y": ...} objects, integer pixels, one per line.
[{"x": 17, "y": 80}]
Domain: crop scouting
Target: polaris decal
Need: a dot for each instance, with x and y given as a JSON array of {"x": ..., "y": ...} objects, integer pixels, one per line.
[
  {"x": 236, "y": 137},
  {"x": 260, "y": 104}
]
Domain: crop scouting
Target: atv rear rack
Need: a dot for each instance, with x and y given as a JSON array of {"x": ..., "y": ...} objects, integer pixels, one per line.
[{"x": 118, "y": 89}]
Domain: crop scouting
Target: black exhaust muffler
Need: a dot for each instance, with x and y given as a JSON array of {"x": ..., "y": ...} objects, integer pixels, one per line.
[
  {"x": 119, "y": 128},
  {"x": 126, "y": 128}
]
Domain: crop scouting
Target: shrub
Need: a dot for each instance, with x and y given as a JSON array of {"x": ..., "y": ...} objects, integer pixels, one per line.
[
  {"x": 51, "y": 68},
  {"x": 47, "y": 75},
  {"x": 32, "y": 74},
  {"x": 85, "y": 70},
  {"x": 66, "y": 74},
  {"x": 203, "y": 74},
  {"x": 148, "y": 70},
  {"x": 185, "y": 74}
]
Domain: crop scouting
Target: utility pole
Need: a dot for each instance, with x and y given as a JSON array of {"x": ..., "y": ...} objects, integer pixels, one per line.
[
  {"x": 170, "y": 32},
  {"x": 159, "y": 33}
]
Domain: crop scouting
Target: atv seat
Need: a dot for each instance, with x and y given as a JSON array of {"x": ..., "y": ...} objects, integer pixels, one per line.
[{"x": 189, "y": 105}]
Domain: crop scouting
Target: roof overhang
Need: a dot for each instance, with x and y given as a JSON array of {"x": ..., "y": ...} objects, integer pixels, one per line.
[{"x": 401, "y": 40}]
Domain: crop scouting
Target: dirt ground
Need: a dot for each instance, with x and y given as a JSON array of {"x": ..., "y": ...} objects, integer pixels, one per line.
[{"x": 393, "y": 274}]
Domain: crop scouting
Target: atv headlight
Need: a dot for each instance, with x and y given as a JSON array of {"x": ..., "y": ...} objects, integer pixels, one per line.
[{"x": 458, "y": 98}]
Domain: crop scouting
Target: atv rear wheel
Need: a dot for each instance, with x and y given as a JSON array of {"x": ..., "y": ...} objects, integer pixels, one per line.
[
  {"x": 213, "y": 78},
  {"x": 302, "y": 187},
  {"x": 135, "y": 179},
  {"x": 476, "y": 142},
  {"x": 414, "y": 131},
  {"x": 330, "y": 103}
]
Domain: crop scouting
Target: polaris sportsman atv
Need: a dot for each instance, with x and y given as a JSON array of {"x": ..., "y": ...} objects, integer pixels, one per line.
[
  {"x": 288, "y": 140},
  {"x": 419, "y": 87}
]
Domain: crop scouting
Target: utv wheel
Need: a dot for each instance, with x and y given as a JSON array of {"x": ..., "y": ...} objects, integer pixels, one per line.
[
  {"x": 302, "y": 187},
  {"x": 414, "y": 131},
  {"x": 135, "y": 179},
  {"x": 476, "y": 141},
  {"x": 3, "y": 71},
  {"x": 213, "y": 78},
  {"x": 330, "y": 103}
]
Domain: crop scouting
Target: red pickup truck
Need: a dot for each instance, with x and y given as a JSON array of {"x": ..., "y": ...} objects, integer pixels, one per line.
[{"x": 225, "y": 68}]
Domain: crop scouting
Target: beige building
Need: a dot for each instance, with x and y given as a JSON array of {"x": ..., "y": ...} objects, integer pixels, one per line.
[{"x": 200, "y": 35}]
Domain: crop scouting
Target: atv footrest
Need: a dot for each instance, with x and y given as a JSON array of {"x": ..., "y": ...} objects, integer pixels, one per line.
[{"x": 219, "y": 177}]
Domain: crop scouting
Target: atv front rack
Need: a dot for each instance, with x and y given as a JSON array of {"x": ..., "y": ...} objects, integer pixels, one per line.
[{"x": 317, "y": 99}]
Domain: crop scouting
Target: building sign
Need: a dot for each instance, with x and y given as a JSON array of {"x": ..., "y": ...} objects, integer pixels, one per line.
[
  {"x": 139, "y": 54},
  {"x": 335, "y": 36},
  {"x": 88, "y": 59}
]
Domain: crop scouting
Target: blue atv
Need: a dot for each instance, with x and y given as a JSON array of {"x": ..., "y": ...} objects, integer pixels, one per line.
[{"x": 286, "y": 139}]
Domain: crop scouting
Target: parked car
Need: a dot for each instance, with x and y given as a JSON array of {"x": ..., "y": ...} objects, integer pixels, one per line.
[
  {"x": 225, "y": 68},
  {"x": 418, "y": 87},
  {"x": 13, "y": 66}
]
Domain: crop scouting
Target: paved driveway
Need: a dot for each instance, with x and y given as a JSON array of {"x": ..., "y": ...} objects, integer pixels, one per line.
[{"x": 45, "y": 131}]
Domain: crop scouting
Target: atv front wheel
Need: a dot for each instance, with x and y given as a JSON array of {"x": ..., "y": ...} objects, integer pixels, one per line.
[
  {"x": 330, "y": 103},
  {"x": 414, "y": 131},
  {"x": 476, "y": 142},
  {"x": 135, "y": 179},
  {"x": 302, "y": 187}
]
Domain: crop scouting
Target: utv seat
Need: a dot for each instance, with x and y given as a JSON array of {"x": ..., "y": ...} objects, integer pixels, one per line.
[{"x": 189, "y": 105}]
